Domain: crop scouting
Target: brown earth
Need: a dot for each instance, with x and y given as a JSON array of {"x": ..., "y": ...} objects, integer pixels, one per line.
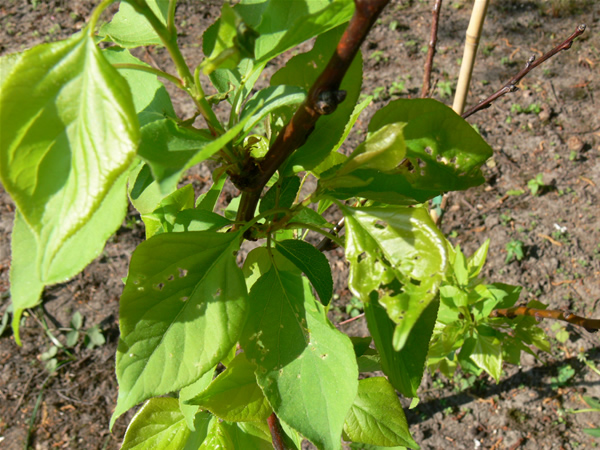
[{"x": 559, "y": 138}]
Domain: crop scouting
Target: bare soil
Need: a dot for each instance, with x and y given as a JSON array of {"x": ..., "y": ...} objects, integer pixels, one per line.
[{"x": 560, "y": 228}]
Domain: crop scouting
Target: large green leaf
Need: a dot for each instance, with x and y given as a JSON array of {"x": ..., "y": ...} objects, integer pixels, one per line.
[
  {"x": 281, "y": 195},
  {"x": 130, "y": 29},
  {"x": 306, "y": 368},
  {"x": 400, "y": 252},
  {"x": 312, "y": 262},
  {"x": 376, "y": 417},
  {"x": 234, "y": 395},
  {"x": 302, "y": 70},
  {"x": 182, "y": 310},
  {"x": 160, "y": 425},
  {"x": 444, "y": 151},
  {"x": 69, "y": 133},
  {"x": 284, "y": 25}
]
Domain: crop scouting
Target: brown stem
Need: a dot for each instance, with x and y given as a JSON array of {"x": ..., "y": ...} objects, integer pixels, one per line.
[
  {"x": 591, "y": 325},
  {"x": 531, "y": 64},
  {"x": 437, "y": 6},
  {"x": 326, "y": 243},
  {"x": 323, "y": 98},
  {"x": 276, "y": 432}
]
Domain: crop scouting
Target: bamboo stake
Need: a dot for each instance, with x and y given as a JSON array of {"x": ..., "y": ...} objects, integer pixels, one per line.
[{"x": 468, "y": 61}]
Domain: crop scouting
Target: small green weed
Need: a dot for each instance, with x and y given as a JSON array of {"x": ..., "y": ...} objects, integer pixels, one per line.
[
  {"x": 536, "y": 184},
  {"x": 514, "y": 249}
]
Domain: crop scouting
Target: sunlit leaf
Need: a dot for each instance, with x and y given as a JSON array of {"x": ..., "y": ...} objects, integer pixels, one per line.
[
  {"x": 129, "y": 28},
  {"x": 159, "y": 424},
  {"x": 306, "y": 368},
  {"x": 180, "y": 313},
  {"x": 376, "y": 416},
  {"x": 63, "y": 155},
  {"x": 387, "y": 244}
]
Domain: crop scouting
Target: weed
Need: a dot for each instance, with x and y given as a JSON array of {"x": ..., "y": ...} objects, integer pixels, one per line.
[
  {"x": 514, "y": 249},
  {"x": 536, "y": 184}
]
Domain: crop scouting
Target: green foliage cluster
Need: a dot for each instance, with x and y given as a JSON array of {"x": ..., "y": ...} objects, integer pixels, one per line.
[{"x": 212, "y": 349}]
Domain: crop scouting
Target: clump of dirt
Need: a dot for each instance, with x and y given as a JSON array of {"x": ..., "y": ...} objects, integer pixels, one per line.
[{"x": 551, "y": 127}]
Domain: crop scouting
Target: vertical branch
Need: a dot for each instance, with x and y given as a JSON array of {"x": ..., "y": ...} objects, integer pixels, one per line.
[
  {"x": 471, "y": 44},
  {"x": 437, "y": 6}
]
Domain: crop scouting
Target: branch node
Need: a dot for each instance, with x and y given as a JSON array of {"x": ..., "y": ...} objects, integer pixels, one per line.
[
  {"x": 328, "y": 101},
  {"x": 530, "y": 61}
]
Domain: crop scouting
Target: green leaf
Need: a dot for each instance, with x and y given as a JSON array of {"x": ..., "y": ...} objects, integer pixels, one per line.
[
  {"x": 302, "y": 70},
  {"x": 306, "y": 368},
  {"x": 208, "y": 200},
  {"x": 460, "y": 268},
  {"x": 594, "y": 432},
  {"x": 199, "y": 220},
  {"x": 130, "y": 29},
  {"x": 180, "y": 313},
  {"x": 312, "y": 262},
  {"x": 284, "y": 25},
  {"x": 404, "y": 368},
  {"x": 170, "y": 149},
  {"x": 148, "y": 93},
  {"x": 281, "y": 195},
  {"x": 227, "y": 41},
  {"x": 444, "y": 151},
  {"x": 476, "y": 261},
  {"x": 383, "y": 150},
  {"x": 268, "y": 100},
  {"x": 398, "y": 243},
  {"x": 377, "y": 417},
  {"x": 64, "y": 152},
  {"x": 25, "y": 288},
  {"x": 335, "y": 158},
  {"x": 487, "y": 354},
  {"x": 162, "y": 219},
  {"x": 234, "y": 395},
  {"x": 248, "y": 435},
  {"x": 160, "y": 425},
  {"x": 190, "y": 391}
]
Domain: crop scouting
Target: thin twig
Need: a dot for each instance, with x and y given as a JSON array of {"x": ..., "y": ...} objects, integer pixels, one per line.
[
  {"x": 323, "y": 98},
  {"x": 352, "y": 319},
  {"x": 276, "y": 432},
  {"x": 327, "y": 243},
  {"x": 437, "y": 6},
  {"x": 591, "y": 325},
  {"x": 532, "y": 63}
]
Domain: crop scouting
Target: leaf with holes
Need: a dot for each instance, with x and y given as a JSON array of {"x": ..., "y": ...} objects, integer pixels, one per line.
[
  {"x": 306, "y": 368},
  {"x": 180, "y": 314},
  {"x": 444, "y": 152},
  {"x": 399, "y": 251}
]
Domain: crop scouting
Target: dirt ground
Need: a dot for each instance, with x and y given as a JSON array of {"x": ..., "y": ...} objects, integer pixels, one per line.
[{"x": 551, "y": 126}]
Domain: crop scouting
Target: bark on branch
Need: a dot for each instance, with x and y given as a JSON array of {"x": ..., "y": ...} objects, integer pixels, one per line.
[
  {"x": 437, "y": 6},
  {"x": 323, "y": 98},
  {"x": 591, "y": 325}
]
